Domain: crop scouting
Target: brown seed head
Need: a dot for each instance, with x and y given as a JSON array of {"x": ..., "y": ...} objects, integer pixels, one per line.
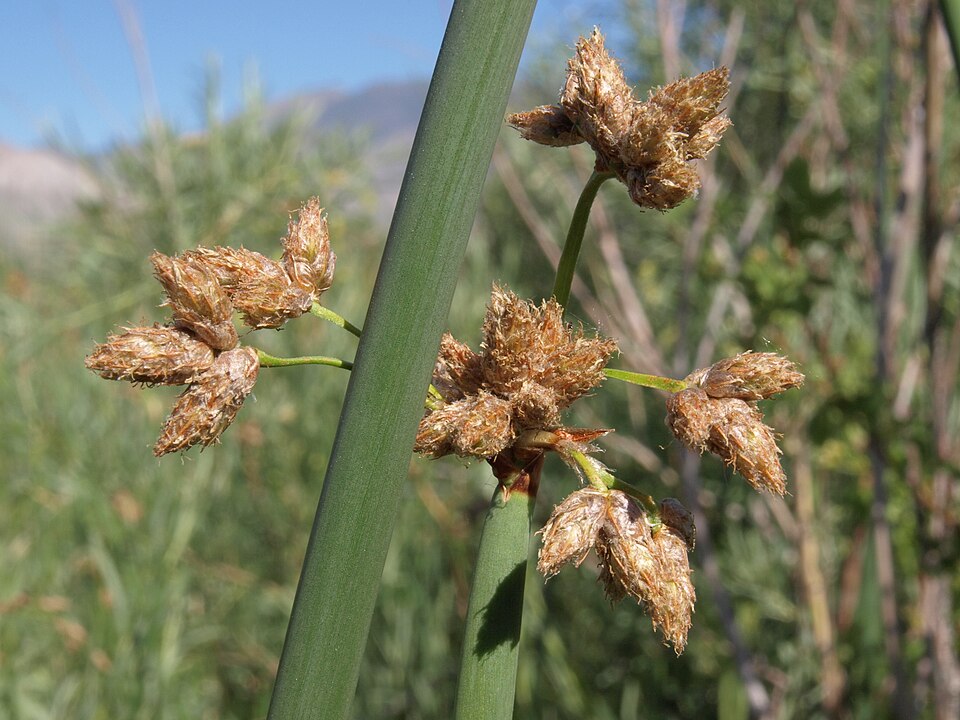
[
  {"x": 233, "y": 267},
  {"x": 205, "y": 409},
  {"x": 732, "y": 429},
  {"x": 270, "y": 298},
  {"x": 627, "y": 566},
  {"x": 154, "y": 355},
  {"x": 523, "y": 342},
  {"x": 532, "y": 363},
  {"x": 646, "y": 144},
  {"x": 748, "y": 376},
  {"x": 547, "y": 125},
  {"x": 458, "y": 369},
  {"x": 651, "y": 566},
  {"x": 476, "y": 426},
  {"x": 571, "y": 530},
  {"x": 198, "y": 302},
  {"x": 307, "y": 256},
  {"x": 596, "y": 96}
]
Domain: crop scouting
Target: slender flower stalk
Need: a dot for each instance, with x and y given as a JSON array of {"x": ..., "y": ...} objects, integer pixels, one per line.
[
  {"x": 270, "y": 361},
  {"x": 578, "y": 226},
  {"x": 329, "y": 315},
  {"x": 651, "y": 381}
]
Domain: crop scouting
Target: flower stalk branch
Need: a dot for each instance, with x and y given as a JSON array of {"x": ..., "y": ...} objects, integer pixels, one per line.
[
  {"x": 270, "y": 361},
  {"x": 651, "y": 381},
  {"x": 329, "y": 315},
  {"x": 578, "y": 226}
]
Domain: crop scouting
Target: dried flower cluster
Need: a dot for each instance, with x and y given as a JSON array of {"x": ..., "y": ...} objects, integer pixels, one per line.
[
  {"x": 718, "y": 412},
  {"x": 640, "y": 556},
  {"x": 648, "y": 145},
  {"x": 532, "y": 366},
  {"x": 204, "y": 287}
]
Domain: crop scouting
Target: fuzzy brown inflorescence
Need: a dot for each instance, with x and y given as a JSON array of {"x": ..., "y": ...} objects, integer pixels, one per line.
[
  {"x": 640, "y": 556},
  {"x": 648, "y": 145},
  {"x": 718, "y": 413},
  {"x": 532, "y": 366},
  {"x": 204, "y": 287}
]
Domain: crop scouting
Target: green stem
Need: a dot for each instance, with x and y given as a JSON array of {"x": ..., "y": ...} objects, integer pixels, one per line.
[
  {"x": 370, "y": 457},
  {"x": 650, "y": 381},
  {"x": 488, "y": 666},
  {"x": 578, "y": 225},
  {"x": 600, "y": 477},
  {"x": 330, "y": 316},
  {"x": 272, "y": 361}
]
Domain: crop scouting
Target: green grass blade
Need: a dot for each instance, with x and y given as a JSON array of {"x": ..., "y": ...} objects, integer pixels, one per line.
[{"x": 358, "y": 506}]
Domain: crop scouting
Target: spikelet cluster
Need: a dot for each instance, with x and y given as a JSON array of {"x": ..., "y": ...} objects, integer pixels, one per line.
[
  {"x": 648, "y": 145},
  {"x": 204, "y": 287},
  {"x": 531, "y": 367},
  {"x": 718, "y": 413},
  {"x": 641, "y": 556}
]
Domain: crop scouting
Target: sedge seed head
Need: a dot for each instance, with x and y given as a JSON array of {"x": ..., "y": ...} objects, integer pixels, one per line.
[
  {"x": 270, "y": 298},
  {"x": 196, "y": 299},
  {"x": 547, "y": 125},
  {"x": 154, "y": 355},
  {"x": 232, "y": 267},
  {"x": 571, "y": 531},
  {"x": 205, "y": 409},
  {"x": 648, "y": 145},
  {"x": 531, "y": 367},
  {"x": 733, "y": 430},
  {"x": 748, "y": 376}
]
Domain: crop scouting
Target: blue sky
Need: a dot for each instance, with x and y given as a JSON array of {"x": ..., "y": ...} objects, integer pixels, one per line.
[{"x": 68, "y": 73}]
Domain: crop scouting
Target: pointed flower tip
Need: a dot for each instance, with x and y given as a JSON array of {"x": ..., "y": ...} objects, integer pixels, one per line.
[{"x": 307, "y": 256}]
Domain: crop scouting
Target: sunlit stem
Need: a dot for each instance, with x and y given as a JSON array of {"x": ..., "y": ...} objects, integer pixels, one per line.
[
  {"x": 602, "y": 479},
  {"x": 578, "y": 225},
  {"x": 271, "y": 361},
  {"x": 330, "y": 316},
  {"x": 650, "y": 381}
]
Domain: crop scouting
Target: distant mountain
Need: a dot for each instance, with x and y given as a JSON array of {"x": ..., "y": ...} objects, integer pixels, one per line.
[{"x": 37, "y": 188}]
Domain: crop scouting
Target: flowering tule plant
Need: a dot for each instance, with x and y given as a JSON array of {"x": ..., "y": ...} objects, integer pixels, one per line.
[{"x": 503, "y": 404}]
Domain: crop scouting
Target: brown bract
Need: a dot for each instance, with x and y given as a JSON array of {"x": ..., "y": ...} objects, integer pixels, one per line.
[
  {"x": 531, "y": 367},
  {"x": 205, "y": 409},
  {"x": 648, "y": 145},
  {"x": 718, "y": 413},
  {"x": 153, "y": 355}
]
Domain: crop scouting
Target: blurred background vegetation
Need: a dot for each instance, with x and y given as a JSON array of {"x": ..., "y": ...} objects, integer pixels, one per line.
[{"x": 825, "y": 229}]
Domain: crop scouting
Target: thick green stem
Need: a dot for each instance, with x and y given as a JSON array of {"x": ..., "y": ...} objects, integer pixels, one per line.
[
  {"x": 358, "y": 506},
  {"x": 330, "y": 316},
  {"x": 488, "y": 666},
  {"x": 270, "y": 361},
  {"x": 578, "y": 226},
  {"x": 650, "y": 381}
]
